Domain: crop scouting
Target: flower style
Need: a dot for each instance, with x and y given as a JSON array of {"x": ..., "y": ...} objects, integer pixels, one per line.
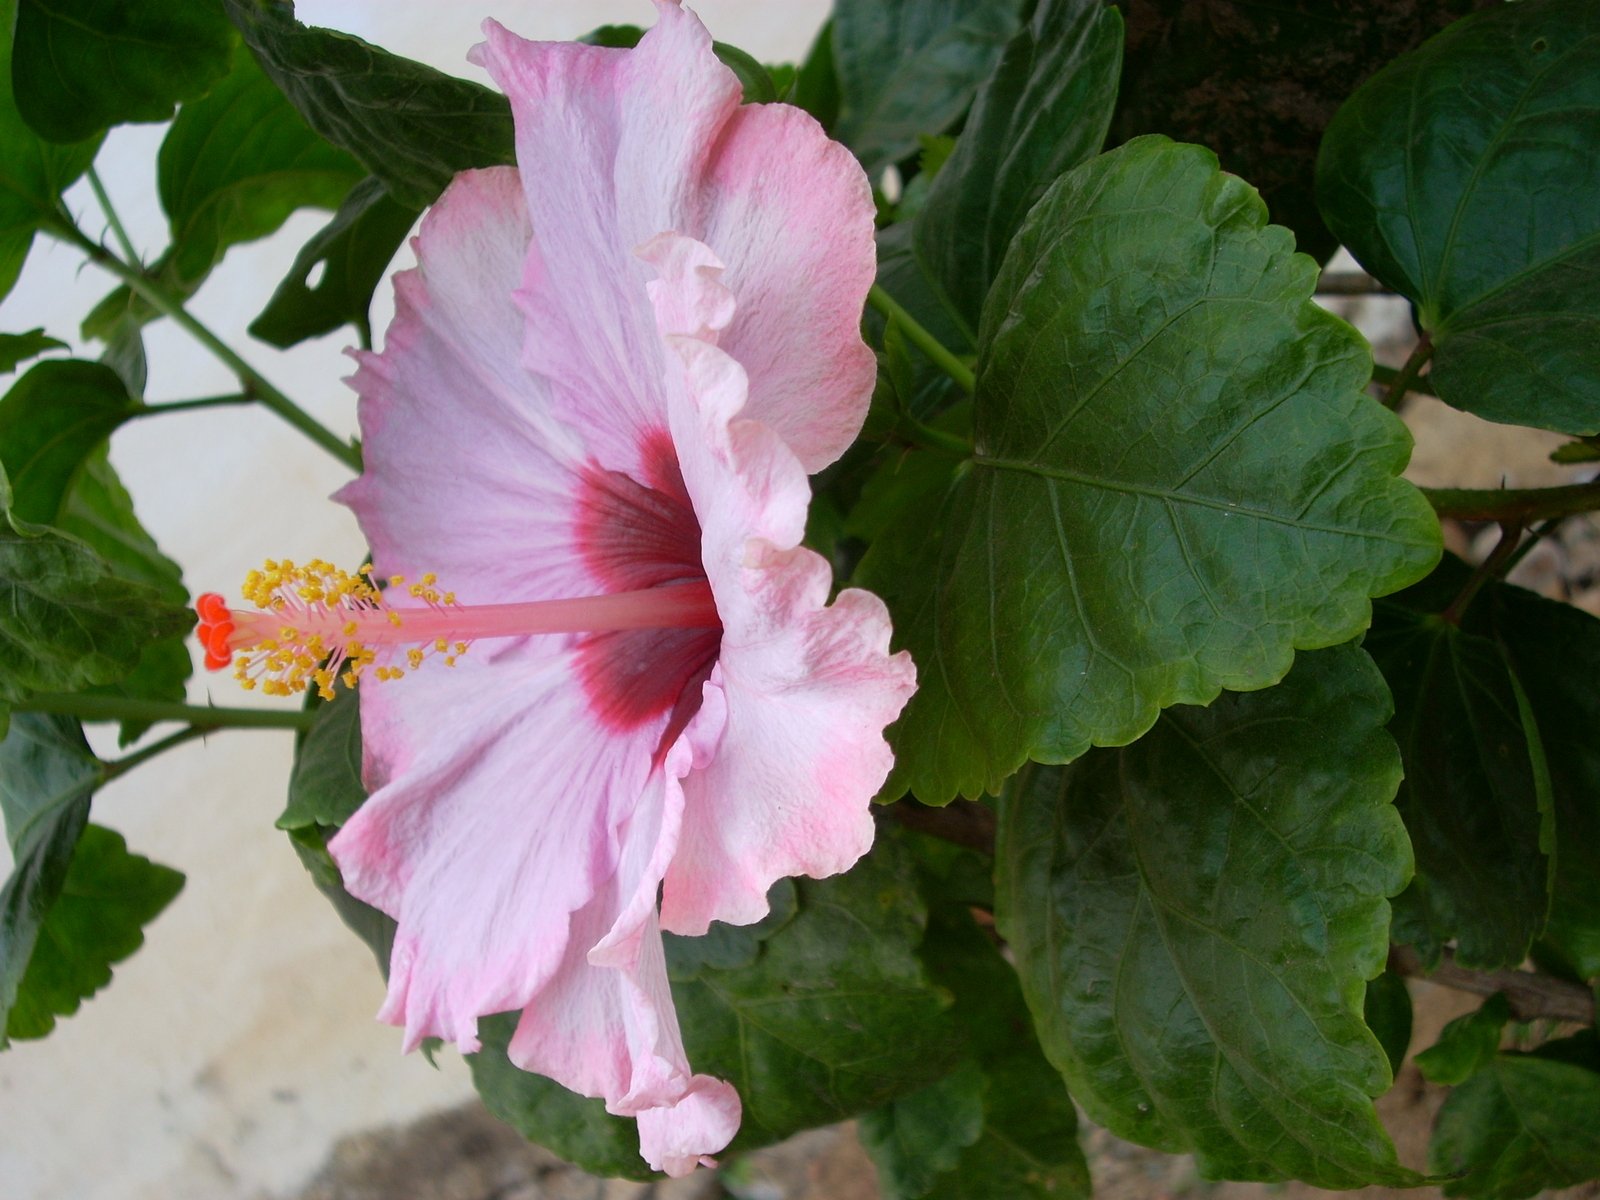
[{"x": 593, "y": 417}]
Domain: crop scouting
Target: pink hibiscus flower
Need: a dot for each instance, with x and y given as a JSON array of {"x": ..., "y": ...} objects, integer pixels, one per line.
[{"x": 593, "y": 417}]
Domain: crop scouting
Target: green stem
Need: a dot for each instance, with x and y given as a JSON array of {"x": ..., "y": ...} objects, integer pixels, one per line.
[
  {"x": 122, "y": 766},
  {"x": 1350, "y": 283},
  {"x": 1408, "y": 373},
  {"x": 1387, "y": 376},
  {"x": 1520, "y": 506},
  {"x": 915, "y": 433},
  {"x": 1490, "y": 568},
  {"x": 255, "y": 383},
  {"x": 117, "y": 230},
  {"x": 121, "y": 708},
  {"x": 156, "y": 410},
  {"x": 922, "y": 339}
]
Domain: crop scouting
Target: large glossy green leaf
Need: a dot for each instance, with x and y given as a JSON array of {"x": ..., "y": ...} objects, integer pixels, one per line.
[
  {"x": 910, "y": 67},
  {"x": 97, "y": 920},
  {"x": 916, "y": 1138},
  {"x": 1258, "y": 83},
  {"x": 816, "y": 1017},
  {"x": 1043, "y": 111},
  {"x": 236, "y": 164},
  {"x": 411, "y": 126},
  {"x": 47, "y": 775},
  {"x": 84, "y": 65},
  {"x": 66, "y": 621},
  {"x": 1178, "y": 480},
  {"x": 1000, "y": 1125},
  {"x": 1525, "y": 1124},
  {"x": 834, "y": 1016},
  {"x": 99, "y": 511},
  {"x": 1195, "y": 916},
  {"x": 578, "y": 1128},
  {"x": 1555, "y": 651},
  {"x": 1476, "y": 796},
  {"x": 33, "y": 172},
  {"x": 50, "y": 421},
  {"x": 1463, "y": 176},
  {"x": 18, "y": 348},
  {"x": 353, "y": 249},
  {"x": 575, "y": 1127}
]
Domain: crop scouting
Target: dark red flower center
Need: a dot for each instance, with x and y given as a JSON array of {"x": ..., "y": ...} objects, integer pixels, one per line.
[{"x": 635, "y": 536}]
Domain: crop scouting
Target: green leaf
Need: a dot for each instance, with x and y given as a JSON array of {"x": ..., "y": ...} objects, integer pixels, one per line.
[
  {"x": 1482, "y": 212},
  {"x": 354, "y": 249},
  {"x": 1028, "y": 1148},
  {"x": 831, "y": 1015},
  {"x": 98, "y": 919},
  {"x": 325, "y": 786},
  {"x": 1179, "y": 480},
  {"x": 1584, "y": 450},
  {"x": 66, "y": 621},
  {"x": 1555, "y": 651},
  {"x": 324, "y": 792},
  {"x": 1387, "y": 1012},
  {"x": 1467, "y": 1044},
  {"x": 1476, "y": 793},
  {"x": 236, "y": 164},
  {"x": 920, "y": 1136},
  {"x": 1043, "y": 111},
  {"x": 726, "y": 947},
  {"x": 33, "y": 173},
  {"x": 816, "y": 82},
  {"x": 124, "y": 354},
  {"x": 99, "y": 511},
  {"x": 83, "y": 65},
  {"x": 835, "y": 1014},
  {"x": 17, "y": 348},
  {"x": 910, "y": 67},
  {"x": 1194, "y": 918},
  {"x": 1258, "y": 83},
  {"x": 50, "y": 421},
  {"x": 576, "y": 1128},
  {"x": 53, "y": 429},
  {"x": 372, "y": 926},
  {"x": 411, "y": 126},
  {"x": 1524, "y": 1124},
  {"x": 47, "y": 775}
]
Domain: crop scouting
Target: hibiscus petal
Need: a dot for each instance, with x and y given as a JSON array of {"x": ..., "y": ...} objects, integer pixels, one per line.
[
  {"x": 791, "y": 217},
  {"x": 632, "y": 131},
  {"x": 480, "y": 859},
  {"x": 605, "y": 1025},
  {"x": 807, "y": 688},
  {"x": 462, "y": 456}
]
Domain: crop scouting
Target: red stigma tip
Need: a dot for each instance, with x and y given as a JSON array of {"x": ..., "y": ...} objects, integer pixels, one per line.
[{"x": 216, "y": 627}]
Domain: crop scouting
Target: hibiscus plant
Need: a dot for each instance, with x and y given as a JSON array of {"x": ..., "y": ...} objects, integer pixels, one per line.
[{"x": 889, "y": 596}]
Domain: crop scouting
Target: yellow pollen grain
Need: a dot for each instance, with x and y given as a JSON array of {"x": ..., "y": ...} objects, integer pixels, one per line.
[{"x": 298, "y": 660}]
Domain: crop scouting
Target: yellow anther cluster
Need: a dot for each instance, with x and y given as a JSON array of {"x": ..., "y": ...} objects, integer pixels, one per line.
[{"x": 321, "y": 611}]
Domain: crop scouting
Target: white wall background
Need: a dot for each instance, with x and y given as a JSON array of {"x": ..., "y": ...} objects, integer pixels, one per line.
[{"x": 238, "y": 1045}]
